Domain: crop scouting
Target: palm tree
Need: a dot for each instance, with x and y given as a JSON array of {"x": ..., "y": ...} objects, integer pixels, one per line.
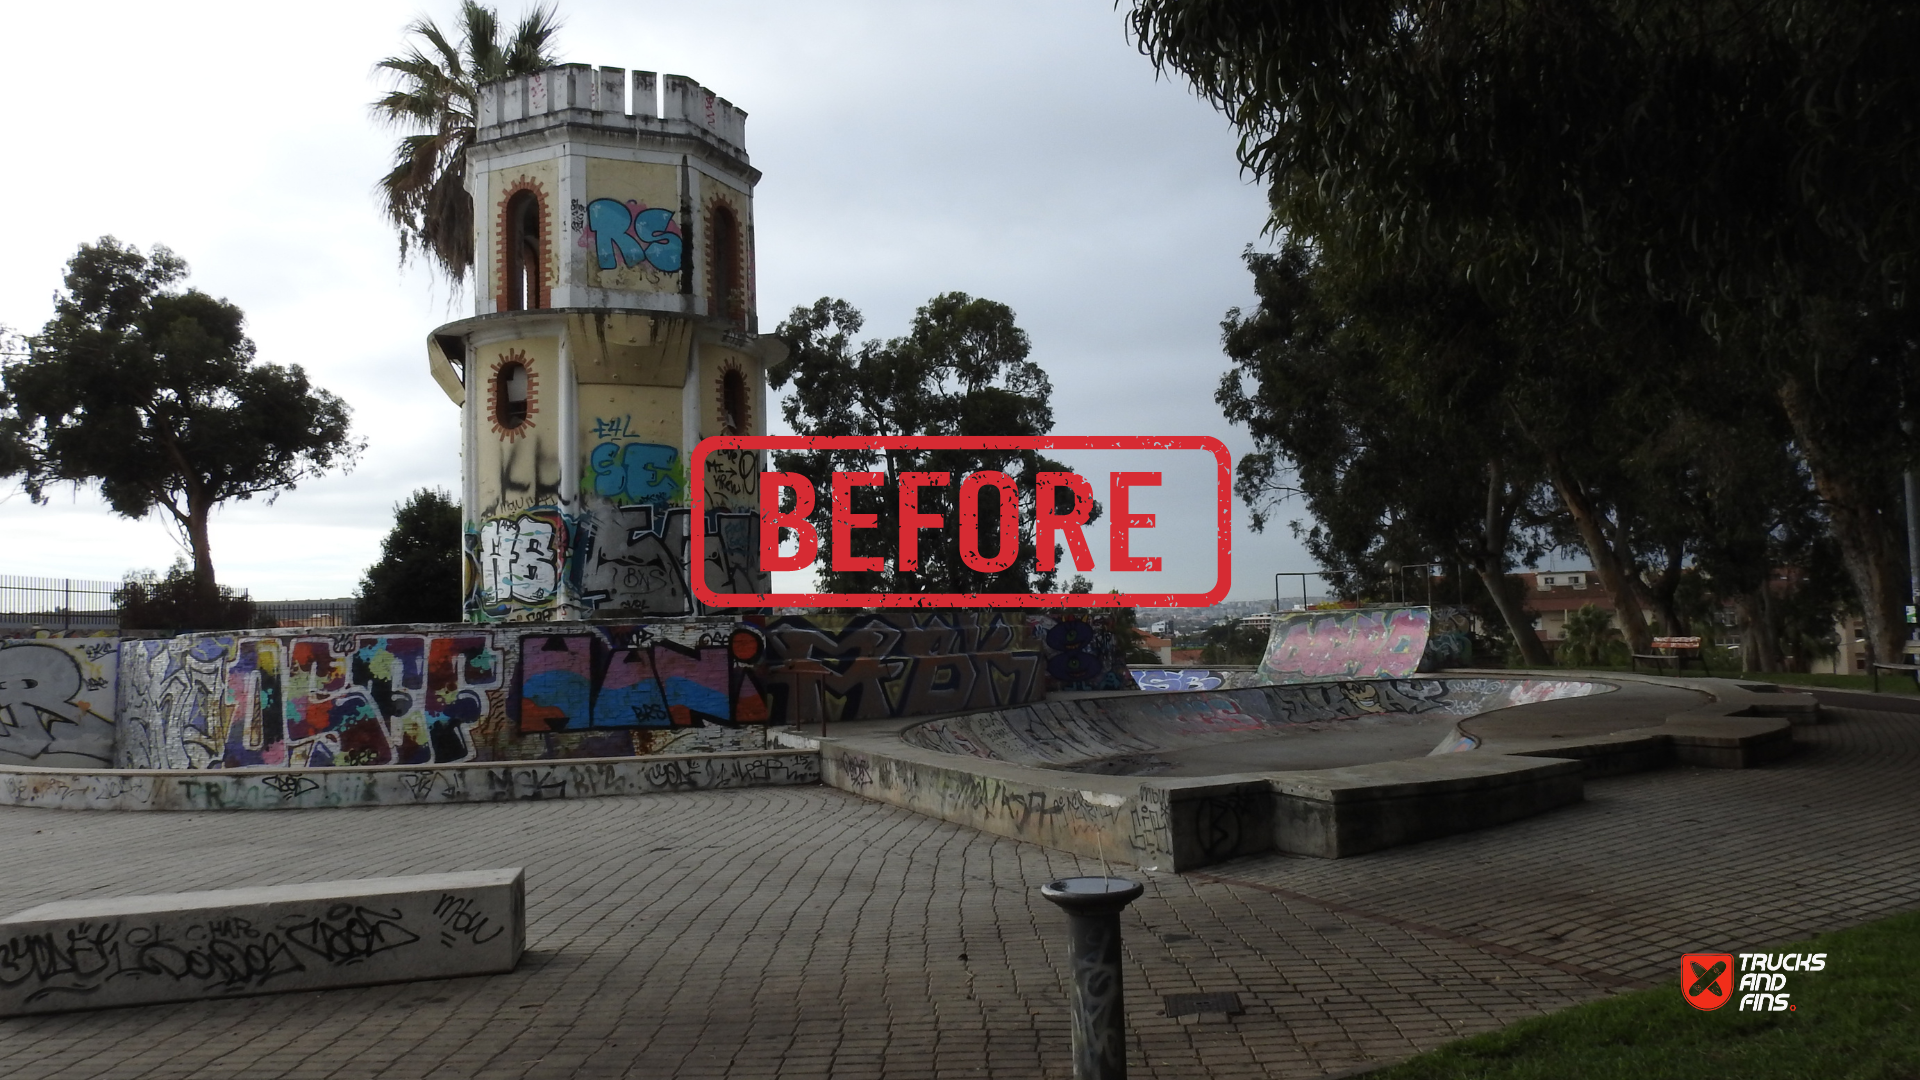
[{"x": 436, "y": 99}]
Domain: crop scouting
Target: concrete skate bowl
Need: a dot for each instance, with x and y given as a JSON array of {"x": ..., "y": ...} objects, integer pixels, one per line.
[{"x": 1256, "y": 729}]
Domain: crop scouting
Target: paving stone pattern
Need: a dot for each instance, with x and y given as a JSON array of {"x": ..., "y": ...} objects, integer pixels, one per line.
[{"x": 803, "y": 932}]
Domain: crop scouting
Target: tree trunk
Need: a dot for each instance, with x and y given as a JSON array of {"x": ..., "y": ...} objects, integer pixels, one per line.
[
  {"x": 1664, "y": 589},
  {"x": 1493, "y": 574},
  {"x": 204, "y": 586},
  {"x": 1759, "y": 649},
  {"x": 1492, "y": 568},
  {"x": 1613, "y": 575},
  {"x": 1869, "y": 543}
]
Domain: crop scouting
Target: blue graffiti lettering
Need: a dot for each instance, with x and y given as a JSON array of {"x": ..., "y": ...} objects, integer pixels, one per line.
[
  {"x": 625, "y": 234},
  {"x": 635, "y": 472}
]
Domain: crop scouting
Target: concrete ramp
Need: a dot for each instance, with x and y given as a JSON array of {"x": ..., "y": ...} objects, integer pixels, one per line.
[
  {"x": 1082, "y": 733},
  {"x": 1353, "y": 643}
]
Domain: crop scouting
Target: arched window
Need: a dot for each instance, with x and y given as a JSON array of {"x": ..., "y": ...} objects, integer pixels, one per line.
[
  {"x": 510, "y": 395},
  {"x": 523, "y": 251},
  {"x": 725, "y": 300},
  {"x": 736, "y": 417}
]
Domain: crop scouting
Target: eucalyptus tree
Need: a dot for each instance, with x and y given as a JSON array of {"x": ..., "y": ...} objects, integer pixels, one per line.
[
  {"x": 962, "y": 368},
  {"x": 1749, "y": 162},
  {"x": 1383, "y": 425},
  {"x": 435, "y": 102},
  {"x": 152, "y": 394}
]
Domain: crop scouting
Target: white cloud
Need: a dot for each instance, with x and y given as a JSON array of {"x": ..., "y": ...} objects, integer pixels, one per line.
[{"x": 1019, "y": 151}]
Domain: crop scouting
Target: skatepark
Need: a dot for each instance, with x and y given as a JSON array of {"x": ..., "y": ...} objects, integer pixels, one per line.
[{"x": 637, "y": 836}]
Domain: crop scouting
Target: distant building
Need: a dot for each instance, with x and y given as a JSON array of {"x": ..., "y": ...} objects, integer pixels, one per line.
[{"x": 1553, "y": 594}]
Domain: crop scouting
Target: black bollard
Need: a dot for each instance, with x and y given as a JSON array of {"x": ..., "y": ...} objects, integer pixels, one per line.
[{"x": 1093, "y": 907}]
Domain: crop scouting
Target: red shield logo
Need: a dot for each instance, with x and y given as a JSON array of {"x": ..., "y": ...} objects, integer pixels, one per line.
[{"x": 1706, "y": 979}]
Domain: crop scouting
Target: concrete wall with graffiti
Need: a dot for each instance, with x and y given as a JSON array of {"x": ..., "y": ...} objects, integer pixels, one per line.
[
  {"x": 1082, "y": 650},
  {"x": 57, "y": 701},
  {"x": 1355, "y": 643},
  {"x": 834, "y": 666},
  {"x": 438, "y": 695},
  {"x": 1164, "y": 680}
]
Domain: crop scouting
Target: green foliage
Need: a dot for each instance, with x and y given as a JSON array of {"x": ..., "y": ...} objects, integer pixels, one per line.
[
  {"x": 149, "y": 601},
  {"x": 1234, "y": 643},
  {"x": 152, "y": 393},
  {"x": 1591, "y": 640},
  {"x": 418, "y": 576},
  {"x": 961, "y": 369},
  {"x": 436, "y": 98},
  {"x": 1631, "y": 233}
]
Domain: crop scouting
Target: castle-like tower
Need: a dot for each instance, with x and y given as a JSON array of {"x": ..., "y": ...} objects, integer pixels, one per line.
[{"x": 613, "y": 329}]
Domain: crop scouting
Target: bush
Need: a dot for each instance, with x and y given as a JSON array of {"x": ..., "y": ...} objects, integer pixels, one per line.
[
  {"x": 148, "y": 601},
  {"x": 1591, "y": 641}
]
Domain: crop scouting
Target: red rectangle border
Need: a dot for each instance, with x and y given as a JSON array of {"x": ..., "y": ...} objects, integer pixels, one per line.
[{"x": 1223, "y": 527}]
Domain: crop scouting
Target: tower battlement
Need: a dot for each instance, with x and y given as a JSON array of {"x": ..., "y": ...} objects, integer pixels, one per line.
[{"x": 607, "y": 98}]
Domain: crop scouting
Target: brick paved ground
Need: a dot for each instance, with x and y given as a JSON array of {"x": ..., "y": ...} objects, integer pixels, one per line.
[{"x": 803, "y": 932}]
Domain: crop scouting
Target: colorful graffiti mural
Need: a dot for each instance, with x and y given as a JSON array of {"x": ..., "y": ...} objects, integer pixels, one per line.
[
  {"x": 437, "y": 696},
  {"x": 56, "y": 701},
  {"x": 631, "y": 233},
  {"x": 1083, "y": 653},
  {"x": 1164, "y": 679},
  {"x": 636, "y": 677},
  {"x": 391, "y": 700},
  {"x": 897, "y": 663},
  {"x": 1449, "y": 639},
  {"x": 636, "y": 472},
  {"x": 1357, "y": 643},
  {"x": 614, "y": 559},
  {"x": 517, "y": 559}
]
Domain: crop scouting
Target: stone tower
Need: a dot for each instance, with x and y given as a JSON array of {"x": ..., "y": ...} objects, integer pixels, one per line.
[{"x": 613, "y": 329}]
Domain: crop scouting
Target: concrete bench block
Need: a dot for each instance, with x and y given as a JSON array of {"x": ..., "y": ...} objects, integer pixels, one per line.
[
  {"x": 1728, "y": 742},
  {"x": 1334, "y": 813},
  {"x": 142, "y": 950},
  {"x": 1615, "y": 754}
]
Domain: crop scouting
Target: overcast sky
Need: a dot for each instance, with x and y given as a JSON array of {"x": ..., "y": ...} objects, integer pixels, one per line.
[{"x": 1019, "y": 151}]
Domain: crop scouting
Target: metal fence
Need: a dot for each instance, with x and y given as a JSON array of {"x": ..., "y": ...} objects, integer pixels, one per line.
[
  {"x": 57, "y": 603},
  {"x": 37, "y": 603},
  {"x": 313, "y": 613}
]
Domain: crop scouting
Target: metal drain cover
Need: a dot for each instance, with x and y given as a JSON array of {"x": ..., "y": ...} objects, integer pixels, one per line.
[{"x": 1225, "y": 1002}]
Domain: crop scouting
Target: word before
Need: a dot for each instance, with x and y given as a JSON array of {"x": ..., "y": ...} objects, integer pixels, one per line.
[{"x": 1049, "y": 522}]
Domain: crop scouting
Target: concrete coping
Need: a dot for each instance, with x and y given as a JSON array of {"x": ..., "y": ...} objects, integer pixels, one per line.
[
  {"x": 437, "y": 767},
  {"x": 101, "y": 907},
  {"x": 1417, "y": 776}
]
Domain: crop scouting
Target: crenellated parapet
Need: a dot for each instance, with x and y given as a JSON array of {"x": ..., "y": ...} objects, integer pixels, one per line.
[{"x": 612, "y": 98}]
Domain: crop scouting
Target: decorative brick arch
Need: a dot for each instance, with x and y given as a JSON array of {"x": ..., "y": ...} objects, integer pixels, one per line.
[
  {"x": 733, "y": 399},
  {"x": 502, "y": 294},
  {"x": 502, "y": 424}
]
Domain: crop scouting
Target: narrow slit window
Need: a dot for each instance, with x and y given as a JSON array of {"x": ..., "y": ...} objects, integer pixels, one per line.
[
  {"x": 734, "y": 415},
  {"x": 726, "y": 264},
  {"x": 523, "y": 252}
]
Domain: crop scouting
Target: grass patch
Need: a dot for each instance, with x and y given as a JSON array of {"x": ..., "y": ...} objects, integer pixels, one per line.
[
  {"x": 1891, "y": 682},
  {"x": 1856, "y": 1020}
]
